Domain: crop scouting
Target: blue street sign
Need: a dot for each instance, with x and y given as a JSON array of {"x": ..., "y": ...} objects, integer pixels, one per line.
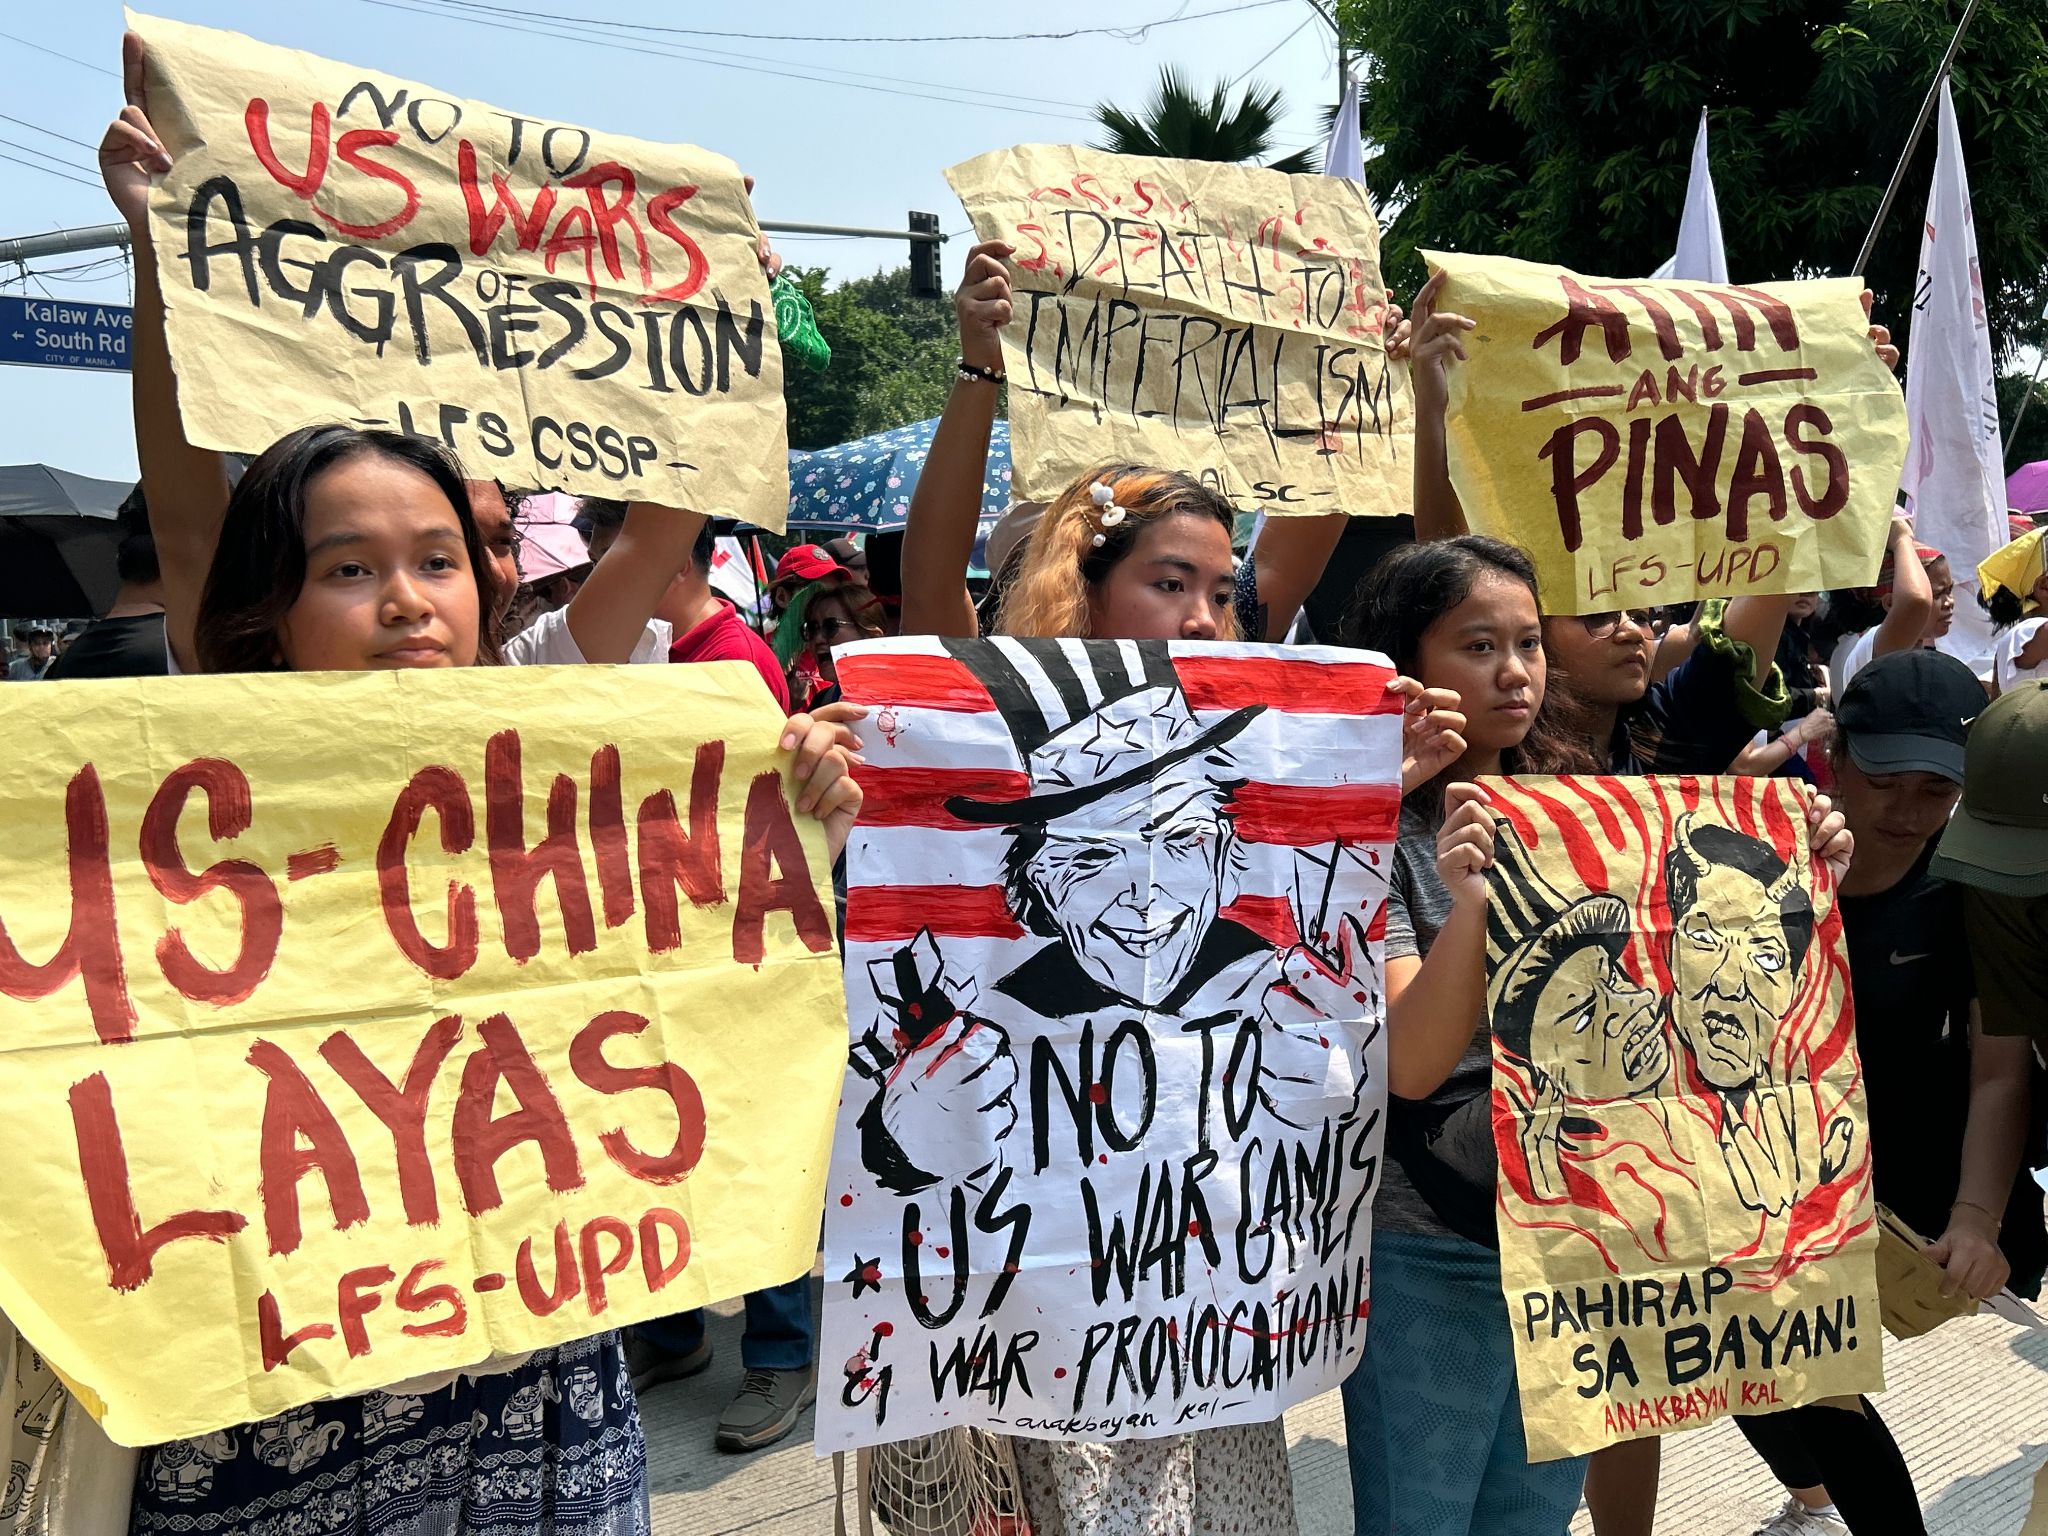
[{"x": 64, "y": 333}]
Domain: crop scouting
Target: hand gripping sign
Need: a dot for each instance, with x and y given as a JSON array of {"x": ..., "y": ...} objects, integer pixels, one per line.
[
  {"x": 1651, "y": 442},
  {"x": 1685, "y": 1213},
  {"x": 564, "y": 309},
  {"x": 1111, "y": 1126},
  {"x": 352, "y": 1035}
]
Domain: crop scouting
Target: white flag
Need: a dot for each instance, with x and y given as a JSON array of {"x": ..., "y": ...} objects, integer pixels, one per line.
[
  {"x": 1700, "y": 257},
  {"x": 1344, "y": 155},
  {"x": 1954, "y": 479}
]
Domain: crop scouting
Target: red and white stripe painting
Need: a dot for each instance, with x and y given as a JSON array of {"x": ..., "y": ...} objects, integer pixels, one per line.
[{"x": 1090, "y": 1200}]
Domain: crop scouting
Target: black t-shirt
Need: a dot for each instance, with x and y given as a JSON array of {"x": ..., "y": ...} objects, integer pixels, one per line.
[
  {"x": 126, "y": 647},
  {"x": 1909, "y": 967}
]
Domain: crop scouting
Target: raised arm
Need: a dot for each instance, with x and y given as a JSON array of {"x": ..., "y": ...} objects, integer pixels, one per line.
[
  {"x": 1436, "y": 345},
  {"x": 1434, "y": 1004},
  {"x": 186, "y": 487},
  {"x": 945, "y": 507},
  {"x": 609, "y": 612},
  {"x": 1912, "y": 603},
  {"x": 1288, "y": 561}
]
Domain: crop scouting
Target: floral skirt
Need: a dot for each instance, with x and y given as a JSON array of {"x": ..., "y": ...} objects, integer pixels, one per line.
[{"x": 552, "y": 1448}]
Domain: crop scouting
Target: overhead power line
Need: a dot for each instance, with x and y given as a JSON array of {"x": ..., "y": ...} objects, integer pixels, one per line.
[
  {"x": 51, "y": 132},
  {"x": 67, "y": 58},
  {"x": 47, "y": 171},
  {"x": 1131, "y": 33}
]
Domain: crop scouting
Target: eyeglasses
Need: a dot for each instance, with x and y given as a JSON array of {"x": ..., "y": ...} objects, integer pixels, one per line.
[
  {"x": 830, "y": 629},
  {"x": 1599, "y": 625}
]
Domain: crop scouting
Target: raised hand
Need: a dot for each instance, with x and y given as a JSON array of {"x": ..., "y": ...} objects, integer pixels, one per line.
[
  {"x": 1432, "y": 731},
  {"x": 983, "y": 304},
  {"x": 1435, "y": 341},
  {"x": 130, "y": 152},
  {"x": 827, "y": 752},
  {"x": 1464, "y": 844}
]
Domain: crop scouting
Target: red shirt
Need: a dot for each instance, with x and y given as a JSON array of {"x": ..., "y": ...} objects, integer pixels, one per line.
[{"x": 725, "y": 636}]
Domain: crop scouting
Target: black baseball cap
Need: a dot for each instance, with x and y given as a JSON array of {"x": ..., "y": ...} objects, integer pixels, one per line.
[
  {"x": 1998, "y": 838},
  {"x": 1910, "y": 712}
]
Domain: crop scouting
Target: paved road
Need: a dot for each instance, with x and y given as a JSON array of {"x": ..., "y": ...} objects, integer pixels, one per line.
[{"x": 1968, "y": 1404}]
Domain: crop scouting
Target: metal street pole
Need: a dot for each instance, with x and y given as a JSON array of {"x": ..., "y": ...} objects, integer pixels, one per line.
[{"x": 1884, "y": 208}]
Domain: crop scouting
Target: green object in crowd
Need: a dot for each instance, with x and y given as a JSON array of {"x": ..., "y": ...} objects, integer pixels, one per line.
[{"x": 797, "y": 325}]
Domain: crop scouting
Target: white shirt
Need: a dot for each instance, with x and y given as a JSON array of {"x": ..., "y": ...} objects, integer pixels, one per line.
[
  {"x": 2005, "y": 652},
  {"x": 1852, "y": 653},
  {"x": 546, "y": 642}
]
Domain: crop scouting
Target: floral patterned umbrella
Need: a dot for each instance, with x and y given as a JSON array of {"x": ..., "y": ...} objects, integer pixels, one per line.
[{"x": 865, "y": 486}]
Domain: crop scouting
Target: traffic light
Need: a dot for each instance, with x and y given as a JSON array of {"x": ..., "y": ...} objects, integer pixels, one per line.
[{"x": 924, "y": 258}]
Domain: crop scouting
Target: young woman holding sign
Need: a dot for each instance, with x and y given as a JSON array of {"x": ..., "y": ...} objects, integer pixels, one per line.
[{"x": 343, "y": 550}]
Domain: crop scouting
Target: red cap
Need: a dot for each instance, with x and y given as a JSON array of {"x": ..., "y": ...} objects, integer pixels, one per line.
[{"x": 804, "y": 562}]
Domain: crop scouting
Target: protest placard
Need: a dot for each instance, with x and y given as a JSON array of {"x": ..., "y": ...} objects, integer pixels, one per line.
[
  {"x": 564, "y": 309},
  {"x": 1216, "y": 319},
  {"x": 1111, "y": 1127},
  {"x": 1651, "y": 442},
  {"x": 393, "y": 1036},
  {"x": 1686, "y": 1222}
]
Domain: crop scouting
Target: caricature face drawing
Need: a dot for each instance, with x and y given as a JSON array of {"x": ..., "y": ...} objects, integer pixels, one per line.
[
  {"x": 1135, "y": 893},
  {"x": 1741, "y": 926},
  {"x": 1598, "y": 1030}
]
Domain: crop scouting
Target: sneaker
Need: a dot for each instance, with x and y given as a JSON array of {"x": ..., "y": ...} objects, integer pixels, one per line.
[
  {"x": 1796, "y": 1519},
  {"x": 650, "y": 1367},
  {"x": 765, "y": 1408}
]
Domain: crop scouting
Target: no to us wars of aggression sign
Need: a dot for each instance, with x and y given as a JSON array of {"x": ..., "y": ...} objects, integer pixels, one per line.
[
  {"x": 565, "y": 309},
  {"x": 1650, "y": 442}
]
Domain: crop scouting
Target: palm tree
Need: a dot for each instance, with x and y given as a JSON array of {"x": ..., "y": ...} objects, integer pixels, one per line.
[{"x": 1179, "y": 124}]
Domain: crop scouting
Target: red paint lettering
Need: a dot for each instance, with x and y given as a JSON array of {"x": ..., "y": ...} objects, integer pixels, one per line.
[
  {"x": 278, "y": 1345},
  {"x": 229, "y": 812},
  {"x": 292, "y": 1108},
  {"x": 103, "y": 1162},
  {"x": 350, "y": 149},
  {"x": 481, "y": 1138},
  {"x": 527, "y": 223},
  {"x": 516, "y": 871},
  {"x": 586, "y": 1060},
  {"x": 1835, "y": 496},
  {"x": 1757, "y": 473},
  {"x": 256, "y": 118},
  {"x": 440, "y": 789},
  {"x": 607, "y": 216},
  {"x": 671, "y": 858},
  {"x": 403, "y": 1110},
  {"x": 608, "y": 836},
  {"x": 659, "y": 209},
  {"x": 596, "y": 1269},
  {"x": 1567, "y": 480},
  {"x": 774, "y": 876},
  {"x": 92, "y": 944},
  {"x": 355, "y": 1303},
  {"x": 657, "y": 1271},
  {"x": 540, "y": 1302},
  {"x": 414, "y": 1297}
]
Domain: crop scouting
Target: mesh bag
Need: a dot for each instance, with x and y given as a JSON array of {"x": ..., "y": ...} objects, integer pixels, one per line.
[{"x": 959, "y": 1482}]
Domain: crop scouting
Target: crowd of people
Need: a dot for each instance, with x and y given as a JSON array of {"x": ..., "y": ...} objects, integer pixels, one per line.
[{"x": 343, "y": 549}]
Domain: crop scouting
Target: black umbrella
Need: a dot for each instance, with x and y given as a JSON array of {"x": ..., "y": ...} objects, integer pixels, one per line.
[{"x": 58, "y": 535}]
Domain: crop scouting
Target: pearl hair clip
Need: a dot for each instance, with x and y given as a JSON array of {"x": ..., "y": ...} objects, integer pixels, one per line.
[{"x": 1103, "y": 494}]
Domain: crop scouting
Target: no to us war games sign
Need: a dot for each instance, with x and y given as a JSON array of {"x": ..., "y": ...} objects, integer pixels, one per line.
[
  {"x": 1651, "y": 442},
  {"x": 565, "y": 309}
]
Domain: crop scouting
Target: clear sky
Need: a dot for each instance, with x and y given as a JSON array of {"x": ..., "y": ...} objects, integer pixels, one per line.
[{"x": 860, "y": 142}]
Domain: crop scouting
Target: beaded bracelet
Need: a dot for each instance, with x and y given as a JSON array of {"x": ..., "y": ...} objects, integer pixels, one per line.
[{"x": 972, "y": 374}]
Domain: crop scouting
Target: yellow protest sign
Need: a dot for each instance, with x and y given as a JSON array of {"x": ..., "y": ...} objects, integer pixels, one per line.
[
  {"x": 355, "y": 1027},
  {"x": 1216, "y": 319},
  {"x": 1651, "y": 442},
  {"x": 1685, "y": 1214},
  {"x": 565, "y": 309}
]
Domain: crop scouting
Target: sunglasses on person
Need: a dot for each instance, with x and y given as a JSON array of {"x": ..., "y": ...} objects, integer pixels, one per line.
[
  {"x": 1600, "y": 625},
  {"x": 830, "y": 628}
]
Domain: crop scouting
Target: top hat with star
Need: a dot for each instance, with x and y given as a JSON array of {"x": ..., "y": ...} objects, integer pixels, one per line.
[{"x": 1089, "y": 717}]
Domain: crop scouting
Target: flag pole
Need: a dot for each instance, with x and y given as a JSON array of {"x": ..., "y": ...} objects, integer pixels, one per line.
[{"x": 1913, "y": 139}]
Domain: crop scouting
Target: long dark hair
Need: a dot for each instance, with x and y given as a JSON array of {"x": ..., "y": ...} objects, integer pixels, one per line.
[
  {"x": 1417, "y": 585},
  {"x": 259, "y": 565}
]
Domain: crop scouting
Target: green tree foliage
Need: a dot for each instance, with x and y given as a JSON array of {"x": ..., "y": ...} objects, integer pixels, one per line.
[
  {"x": 892, "y": 359},
  {"x": 1560, "y": 130},
  {"x": 1179, "y": 123}
]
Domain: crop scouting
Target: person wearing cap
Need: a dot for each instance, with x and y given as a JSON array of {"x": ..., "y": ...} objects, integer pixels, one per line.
[
  {"x": 1946, "y": 1104},
  {"x": 1996, "y": 849}
]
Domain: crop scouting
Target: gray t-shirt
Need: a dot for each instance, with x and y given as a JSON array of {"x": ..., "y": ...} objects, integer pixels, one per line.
[{"x": 1418, "y": 906}]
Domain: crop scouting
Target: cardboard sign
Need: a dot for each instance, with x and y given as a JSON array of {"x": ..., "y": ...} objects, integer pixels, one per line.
[
  {"x": 394, "y": 1036},
  {"x": 1215, "y": 319},
  {"x": 565, "y": 309},
  {"x": 1111, "y": 1126},
  {"x": 1686, "y": 1222},
  {"x": 1651, "y": 442}
]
